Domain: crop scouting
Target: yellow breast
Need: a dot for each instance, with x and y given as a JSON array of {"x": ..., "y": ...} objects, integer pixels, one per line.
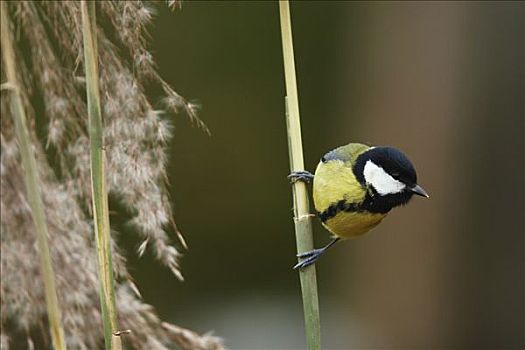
[
  {"x": 334, "y": 181},
  {"x": 352, "y": 224}
]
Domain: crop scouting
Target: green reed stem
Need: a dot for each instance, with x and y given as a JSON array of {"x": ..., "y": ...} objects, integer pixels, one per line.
[
  {"x": 98, "y": 181},
  {"x": 32, "y": 181},
  {"x": 302, "y": 217}
]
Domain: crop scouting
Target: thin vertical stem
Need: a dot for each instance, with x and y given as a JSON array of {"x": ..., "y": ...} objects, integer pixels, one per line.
[
  {"x": 32, "y": 181},
  {"x": 303, "y": 226},
  {"x": 98, "y": 182}
]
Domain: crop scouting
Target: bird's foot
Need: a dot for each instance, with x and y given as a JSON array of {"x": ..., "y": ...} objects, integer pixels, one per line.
[
  {"x": 303, "y": 175},
  {"x": 310, "y": 253},
  {"x": 311, "y": 257}
]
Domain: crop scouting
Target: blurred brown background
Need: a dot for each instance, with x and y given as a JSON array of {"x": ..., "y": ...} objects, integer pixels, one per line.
[{"x": 444, "y": 82}]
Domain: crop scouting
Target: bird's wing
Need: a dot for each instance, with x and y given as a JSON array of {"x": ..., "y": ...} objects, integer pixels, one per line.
[
  {"x": 347, "y": 153},
  {"x": 334, "y": 177}
]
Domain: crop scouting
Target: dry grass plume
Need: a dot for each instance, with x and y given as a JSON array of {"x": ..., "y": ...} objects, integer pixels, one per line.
[{"x": 50, "y": 63}]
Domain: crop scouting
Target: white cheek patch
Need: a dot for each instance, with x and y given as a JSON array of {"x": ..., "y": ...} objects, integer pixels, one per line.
[{"x": 382, "y": 182}]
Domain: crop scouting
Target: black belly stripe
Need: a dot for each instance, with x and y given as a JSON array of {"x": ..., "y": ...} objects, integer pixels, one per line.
[
  {"x": 371, "y": 204},
  {"x": 337, "y": 207}
]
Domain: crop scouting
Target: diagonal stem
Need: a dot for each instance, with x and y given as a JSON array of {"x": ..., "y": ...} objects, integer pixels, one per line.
[{"x": 32, "y": 181}]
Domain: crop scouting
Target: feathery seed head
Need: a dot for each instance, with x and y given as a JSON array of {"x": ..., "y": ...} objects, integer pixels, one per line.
[{"x": 135, "y": 140}]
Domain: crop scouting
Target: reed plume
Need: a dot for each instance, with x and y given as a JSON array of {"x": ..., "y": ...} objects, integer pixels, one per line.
[{"x": 49, "y": 61}]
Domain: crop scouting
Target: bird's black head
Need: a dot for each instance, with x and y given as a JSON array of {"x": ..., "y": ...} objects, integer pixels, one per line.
[{"x": 389, "y": 176}]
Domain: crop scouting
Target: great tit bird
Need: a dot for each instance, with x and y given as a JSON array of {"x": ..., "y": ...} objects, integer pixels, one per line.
[{"x": 354, "y": 188}]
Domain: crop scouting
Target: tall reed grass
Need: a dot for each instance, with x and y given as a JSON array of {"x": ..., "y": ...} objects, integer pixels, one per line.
[
  {"x": 302, "y": 217},
  {"x": 98, "y": 179},
  {"x": 48, "y": 54}
]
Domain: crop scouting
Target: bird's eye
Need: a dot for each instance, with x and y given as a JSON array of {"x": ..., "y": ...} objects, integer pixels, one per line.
[{"x": 395, "y": 175}]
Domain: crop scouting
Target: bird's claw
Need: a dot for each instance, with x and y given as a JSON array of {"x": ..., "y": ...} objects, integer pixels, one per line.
[
  {"x": 310, "y": 253},
  {"x": 302, "y": 175},
  {"x": 310, "y": 258},
  {"x": 307, "y": 262}
]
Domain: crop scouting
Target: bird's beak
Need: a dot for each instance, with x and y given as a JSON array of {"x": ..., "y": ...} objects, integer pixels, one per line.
[{"x": 419, "y": 191}]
